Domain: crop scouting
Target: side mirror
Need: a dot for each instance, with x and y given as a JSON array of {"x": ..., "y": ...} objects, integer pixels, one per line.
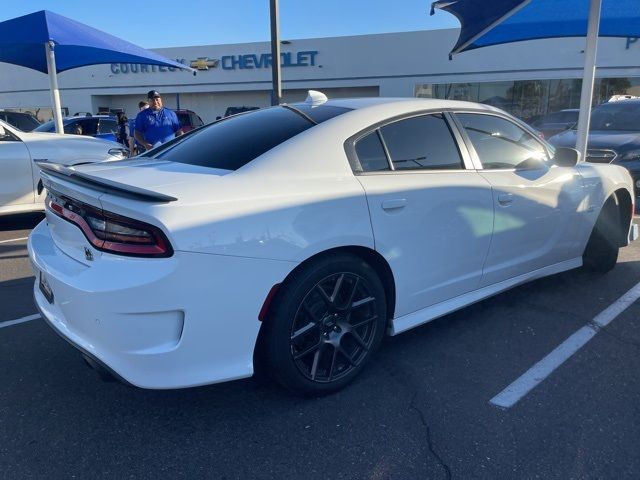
[{"x": 566, "y": 157}]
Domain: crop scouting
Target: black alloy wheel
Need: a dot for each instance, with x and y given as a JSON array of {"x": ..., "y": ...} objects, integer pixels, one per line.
[
  {"x": 334, "y": 327},
  {"x": 327, "y": 322}
]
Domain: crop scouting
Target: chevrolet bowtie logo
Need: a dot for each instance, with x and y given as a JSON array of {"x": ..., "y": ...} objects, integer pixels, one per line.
[{"x": 204, "y": 63}]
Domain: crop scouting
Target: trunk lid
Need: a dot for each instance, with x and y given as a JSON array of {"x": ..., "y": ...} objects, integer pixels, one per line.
[
  {"x": 140, "y": 189},
  {"x": 177, "y": 180}
]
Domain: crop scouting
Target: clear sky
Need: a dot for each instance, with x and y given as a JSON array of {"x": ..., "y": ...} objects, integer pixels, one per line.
[{"x": 177, "y": 23}]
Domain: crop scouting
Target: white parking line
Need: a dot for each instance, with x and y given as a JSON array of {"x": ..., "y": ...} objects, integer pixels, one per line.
[
  {"x": 541, "y": 370},
  {"x": 13, "y": 240},
  {"x": 19, "y": 320}
]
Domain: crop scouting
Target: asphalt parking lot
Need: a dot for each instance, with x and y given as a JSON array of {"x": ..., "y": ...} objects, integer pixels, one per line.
[{"x": 421, "y": 410}]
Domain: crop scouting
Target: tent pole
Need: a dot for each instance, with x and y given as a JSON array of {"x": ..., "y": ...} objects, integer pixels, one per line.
[
  {"x": 53, "y": 86},
  {"x": 588, "y": 78}
]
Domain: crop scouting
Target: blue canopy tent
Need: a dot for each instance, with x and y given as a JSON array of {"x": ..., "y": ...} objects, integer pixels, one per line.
[
  {"x": 51, "y": 43},
  {"x": 504, "y": 21}
]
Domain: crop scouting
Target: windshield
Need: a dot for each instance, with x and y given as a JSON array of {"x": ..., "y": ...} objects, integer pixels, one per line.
[
  {"x": 234, "y": 141},
  {"x": 45, "y": 127},
  {"x": 623, "y": 116}
]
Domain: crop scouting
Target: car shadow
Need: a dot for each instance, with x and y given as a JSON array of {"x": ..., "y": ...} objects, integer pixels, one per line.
[{"x": 22, "y": 221}]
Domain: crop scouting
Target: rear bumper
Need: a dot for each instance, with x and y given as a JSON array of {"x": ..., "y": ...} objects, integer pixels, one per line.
[
  {"x": 80, "y": 349},
  {"x": 177, "y": 322}
]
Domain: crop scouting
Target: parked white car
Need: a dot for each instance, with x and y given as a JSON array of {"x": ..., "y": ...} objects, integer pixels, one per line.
[
  {"x": 20, "y": 186},
  {"x": 295, "y": 237}
]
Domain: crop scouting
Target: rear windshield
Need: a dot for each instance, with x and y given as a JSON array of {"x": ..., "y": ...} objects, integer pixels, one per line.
[{"x": 234, "y": 141}]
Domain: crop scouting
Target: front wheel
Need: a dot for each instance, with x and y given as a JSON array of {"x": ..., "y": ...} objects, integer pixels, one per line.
[{"x": 325, "y": 325}]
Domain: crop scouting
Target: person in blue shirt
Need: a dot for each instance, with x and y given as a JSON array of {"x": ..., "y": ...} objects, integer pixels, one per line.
[{"x": 156, "y": 124}]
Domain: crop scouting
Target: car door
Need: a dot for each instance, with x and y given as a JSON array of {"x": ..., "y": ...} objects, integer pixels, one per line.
[
  {"x": 535, "y": 202},
  {"x": 16, "y": 176},
  {"x": 431, "y": 216}
]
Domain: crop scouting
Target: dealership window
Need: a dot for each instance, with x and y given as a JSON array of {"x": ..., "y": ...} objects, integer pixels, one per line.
[{"x": 530, "y": 99}]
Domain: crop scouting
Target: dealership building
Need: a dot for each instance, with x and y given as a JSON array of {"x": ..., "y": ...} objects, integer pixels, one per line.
[{"x": 528, "y": 78}]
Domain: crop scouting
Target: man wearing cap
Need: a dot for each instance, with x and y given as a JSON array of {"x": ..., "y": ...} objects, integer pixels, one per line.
[{"x": 156, "y": 124}]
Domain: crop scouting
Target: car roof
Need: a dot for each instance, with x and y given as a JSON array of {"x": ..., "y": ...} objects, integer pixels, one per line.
[
  {"x": 627, "y": 101},
  {"x": 89, "y": 116},
  {"x": 16, "y": 113},
  {"x": 427, "y": 103}
]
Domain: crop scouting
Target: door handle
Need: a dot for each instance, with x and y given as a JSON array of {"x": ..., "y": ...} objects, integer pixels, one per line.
[
  {"x": 505, "y": 199},
  {"x": 394, "y": 204}
]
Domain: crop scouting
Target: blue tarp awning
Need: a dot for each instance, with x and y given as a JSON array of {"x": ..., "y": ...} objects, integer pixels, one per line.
[
  {"x": 22, "y": 43},
  {"x": 536, "y": 19},
  {"x": 51, "y": 43}
]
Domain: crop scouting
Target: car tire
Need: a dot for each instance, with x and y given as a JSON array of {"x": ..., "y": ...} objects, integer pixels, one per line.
[
  {"x": 601, "y": 253},
  {"x": 326, "y": 322}
]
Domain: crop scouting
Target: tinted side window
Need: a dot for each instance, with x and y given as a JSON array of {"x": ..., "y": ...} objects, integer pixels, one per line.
[
  {"x": 107, "y": 126},
  {"x": 371, "y": 153},
  {"x": 423, "y": 142},
  {"x": 89, "y": 126},
  {"x": 502, "y": 144}
]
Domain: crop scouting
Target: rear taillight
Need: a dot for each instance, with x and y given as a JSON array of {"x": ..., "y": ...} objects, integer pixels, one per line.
[{"x": 109, "y": 232}]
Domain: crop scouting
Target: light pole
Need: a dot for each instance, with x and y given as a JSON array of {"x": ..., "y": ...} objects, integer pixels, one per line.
[{"x": 276, "y": 92}]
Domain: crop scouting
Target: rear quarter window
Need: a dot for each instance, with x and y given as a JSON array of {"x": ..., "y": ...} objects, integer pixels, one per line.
[{"x": 184, "y": 119}]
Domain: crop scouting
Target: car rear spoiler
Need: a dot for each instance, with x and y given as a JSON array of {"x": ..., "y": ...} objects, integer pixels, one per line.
[{"x": 102, "y": 184}]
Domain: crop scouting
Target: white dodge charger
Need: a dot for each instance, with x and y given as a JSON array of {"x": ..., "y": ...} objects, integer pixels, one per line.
[
  {"x": 294, "y": 238},
  {"x": 20, "y": 186}
]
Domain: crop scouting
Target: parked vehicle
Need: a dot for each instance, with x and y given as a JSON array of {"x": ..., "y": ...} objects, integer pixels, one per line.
[
  {"x": 188, "y": 120},
  {"x": 556, "y": 122},
  {"x": 235, "y": 110},
  {"x": 297, "y": 236},
  {"x": 99, "y": 126},
  {"x": 20, "y": 186},
  {"x": 614, "y": 136},
  {"x": 22, "y": 121}
]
